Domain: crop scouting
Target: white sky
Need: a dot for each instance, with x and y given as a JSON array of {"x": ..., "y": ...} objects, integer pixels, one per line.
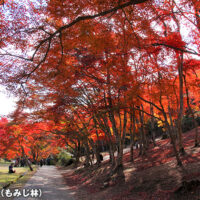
[{"x": 7, "y": 103}]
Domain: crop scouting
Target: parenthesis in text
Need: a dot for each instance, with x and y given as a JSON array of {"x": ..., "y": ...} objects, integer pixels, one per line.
[
  {"x": 2, "y": 193},
  {"x": 40, "y": 192}
]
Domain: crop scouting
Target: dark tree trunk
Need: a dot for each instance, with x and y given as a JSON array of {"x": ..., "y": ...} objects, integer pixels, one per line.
[
  {"x": 196, "y": 142},
  {"x": 87, "y": 155},
  {"x": 77, "y": 154},
  {"x": 180, "y": 71},
  {"x": 26, "y": 159},
  {"x": 152, "y": 126},
  {"x": 132, "y": 132},
  {"x": 142, "y": 134}
]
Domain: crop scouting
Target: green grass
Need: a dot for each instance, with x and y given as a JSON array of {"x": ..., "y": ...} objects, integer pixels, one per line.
[
  {"x": 22, "y": 181},
  {"x": 6, "y": 178},
  {"x": 17, "y": 181},
  {"x": 3, "y": 162}
]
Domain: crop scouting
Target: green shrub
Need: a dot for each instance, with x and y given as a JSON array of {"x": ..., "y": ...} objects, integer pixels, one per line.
[
  {"x": 198, "y": 120},
  {"x": 64, "y": 158},
  {"x": 53, "y": 162},
  {"x": 187, "y": 123}
]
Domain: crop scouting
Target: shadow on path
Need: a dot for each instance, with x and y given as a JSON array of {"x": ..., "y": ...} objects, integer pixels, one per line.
[{"x": 49, "y": 180}]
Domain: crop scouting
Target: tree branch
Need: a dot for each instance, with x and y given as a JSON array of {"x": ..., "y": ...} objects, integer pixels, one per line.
[
  {"x": 87, "y": 17},
  {"x": 150, "y": 103},
  {"x": 176, "y": 48}
]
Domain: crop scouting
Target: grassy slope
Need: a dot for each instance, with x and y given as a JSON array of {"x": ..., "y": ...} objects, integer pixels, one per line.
[
  {"x": 17, "y": 181},
  {"x": 22, "y": 181},
  {"x": 21, "y": 175}
]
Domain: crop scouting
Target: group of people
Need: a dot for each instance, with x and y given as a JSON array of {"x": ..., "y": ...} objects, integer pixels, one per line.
[
  {"x": 20, "y": 162},
  {"x": 45, "y": 162}
]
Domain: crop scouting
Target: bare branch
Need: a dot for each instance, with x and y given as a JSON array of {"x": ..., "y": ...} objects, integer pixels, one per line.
[
  {"x": 87, "y": 17},
  {"x": 150, "y": 103},
  {"x": 176, "y": 48},
  {"x": 44, "y": 58},
  {"x": 16, "y": 56},
  {"x": 158, "y": 118}
]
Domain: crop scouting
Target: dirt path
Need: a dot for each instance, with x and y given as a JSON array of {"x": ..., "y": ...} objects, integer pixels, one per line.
[{"x": 51, "y": 183}]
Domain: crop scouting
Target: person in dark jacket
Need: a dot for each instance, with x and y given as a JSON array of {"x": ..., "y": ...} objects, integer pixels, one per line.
[
  {"x": 101, "y": 157},
  {"x": 11, "y": 168},
  {"x": 41, "y": 163}
]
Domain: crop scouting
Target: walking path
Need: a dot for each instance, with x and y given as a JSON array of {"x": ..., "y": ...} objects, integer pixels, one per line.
[{"x": 49, "y": 180}]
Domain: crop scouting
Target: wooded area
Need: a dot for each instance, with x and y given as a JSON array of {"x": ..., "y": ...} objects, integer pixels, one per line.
[{"x": 99, "y": 73}]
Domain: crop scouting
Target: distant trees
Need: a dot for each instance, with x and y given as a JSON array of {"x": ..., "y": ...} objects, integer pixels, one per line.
[
  {"x": 102, "y": 70},
  {"x": 27, "y": 141}
]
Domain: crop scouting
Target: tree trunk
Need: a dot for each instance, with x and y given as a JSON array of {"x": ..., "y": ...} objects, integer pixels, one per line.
[
  {"x": 111, "y": 152},
  {"x": 77, "y": 154},
  {"x": 132, "y": 132},
  {"x": 179, "y": 162},
  {"x": 174, "y": 132},
  {"x": 196, "y": 143},
  {"x": 96, "y": 152},
  {"x": 26, "y": 159},
  {"x": 152, "y": 126},
  {"x": 119, "y": 165},
  {"x": 142, "y": 135},
  {"x": 87, "y": 155},
  {"x": 180, "y": 71},
  {"x": 105, "y": 127}
]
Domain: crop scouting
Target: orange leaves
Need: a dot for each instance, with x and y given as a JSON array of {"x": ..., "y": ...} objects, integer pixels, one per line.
[
  {"x": 174, "y": 40},
  {"x": 154, "y": 50},
  {"x": 30, "y": 137},
  {"x": 89, "y": 65},
  {"x": 191, "y": 64}
]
